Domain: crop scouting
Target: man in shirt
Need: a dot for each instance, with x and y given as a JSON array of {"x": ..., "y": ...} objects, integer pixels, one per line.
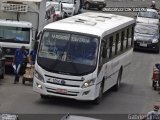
[
  {"x": 154, "y": 114},
  {"x": 19, "y": 59}
]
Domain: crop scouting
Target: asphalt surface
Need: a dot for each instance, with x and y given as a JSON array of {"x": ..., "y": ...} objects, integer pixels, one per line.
[{"x": 135, "y": 95}]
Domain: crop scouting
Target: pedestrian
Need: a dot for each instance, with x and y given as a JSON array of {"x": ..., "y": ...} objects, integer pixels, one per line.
[
  {"x": 158, "y": 67},
  {"x": 154, "y": 114},
  {"x": 153, "y": 5},
  {"x": 19, "y": 60},
  {"x": 32, "y": 55}
]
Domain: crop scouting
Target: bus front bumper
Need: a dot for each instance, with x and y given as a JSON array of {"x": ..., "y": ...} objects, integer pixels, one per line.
[{"x": 64, "y": 91}]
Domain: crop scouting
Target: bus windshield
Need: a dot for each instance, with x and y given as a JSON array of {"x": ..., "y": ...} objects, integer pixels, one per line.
[
  {"x": 69, "y": 48},
  {"x": 14, "y": 34}
]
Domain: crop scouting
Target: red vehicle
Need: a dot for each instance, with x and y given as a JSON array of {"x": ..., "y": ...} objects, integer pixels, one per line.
[{"x": 155, "y": 81}]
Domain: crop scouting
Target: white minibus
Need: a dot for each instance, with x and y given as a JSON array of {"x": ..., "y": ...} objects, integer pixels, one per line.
[{"x": 83, "y": 56}]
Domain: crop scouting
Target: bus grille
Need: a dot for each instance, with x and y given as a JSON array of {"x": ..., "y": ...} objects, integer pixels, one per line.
[
  {"x": 68, "y": 93},
  {"x": 63, "y": 81}
]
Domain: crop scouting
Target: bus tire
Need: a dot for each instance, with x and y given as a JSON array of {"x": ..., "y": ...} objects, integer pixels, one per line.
[
  {"x": 43, "y": 96},
  {"x": 117, "y": 85},
  {"x": 99, "y": 98}
]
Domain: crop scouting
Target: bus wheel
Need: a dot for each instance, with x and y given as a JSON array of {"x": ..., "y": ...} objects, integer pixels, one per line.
[
  {"x": 44, "y": 96},
  {"x": 117, "y": 85},
  {"x": 99, "y": 98}
]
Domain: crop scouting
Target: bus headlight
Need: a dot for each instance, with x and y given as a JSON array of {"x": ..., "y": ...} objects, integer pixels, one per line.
[
  {"x": 155, "y": 41},
  {"x": 38, "y": 76},
  {"x": 88, "y": 83}
]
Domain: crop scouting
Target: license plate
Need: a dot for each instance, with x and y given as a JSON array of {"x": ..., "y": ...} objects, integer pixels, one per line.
[
  {"x": 100, "y": 5},
  {"x": 56, "y": 81},
  {"x": 143, "y": 44},
  {"x": 61, "y": 91}
]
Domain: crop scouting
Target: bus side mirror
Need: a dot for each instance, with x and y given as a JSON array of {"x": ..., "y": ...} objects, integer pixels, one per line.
[{"x": 38, "y": 36}]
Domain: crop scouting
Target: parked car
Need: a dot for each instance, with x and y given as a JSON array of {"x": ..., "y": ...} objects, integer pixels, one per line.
[
  {"x": 150, "y": 16},
  {"x": 146, "y": 36},
  {"x": 59, "y": 12},
  {"x": 2, "y": 64},
  {"x": 75, "y": 117},
  {"x": 70, "y": 7},
  {"x": 100, "y": 4},
  {"x": 50, "y": 13}
]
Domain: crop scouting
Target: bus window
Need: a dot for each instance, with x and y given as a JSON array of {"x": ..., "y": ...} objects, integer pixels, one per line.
[
  {"x": 122, "y": 39},
  {"x": 110, "y": 46},
  {"x": 114, "y": 45},
  {"x": 103, "y": 52},
  {"x": 130, "y": 37},
  {"x": 127, "y": 32},
  {"x": 125, "y": 39},
  {"x": 117, "y": 44}
]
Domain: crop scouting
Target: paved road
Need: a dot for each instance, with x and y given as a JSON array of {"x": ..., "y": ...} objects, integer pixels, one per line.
[{"x": 135, "y": 96}]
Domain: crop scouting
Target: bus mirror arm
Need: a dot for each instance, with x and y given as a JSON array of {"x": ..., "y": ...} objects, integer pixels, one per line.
[{"x": 38, "y": 36}]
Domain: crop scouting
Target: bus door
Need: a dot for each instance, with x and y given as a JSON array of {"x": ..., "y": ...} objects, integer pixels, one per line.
[{"x": 105, "y": 65}]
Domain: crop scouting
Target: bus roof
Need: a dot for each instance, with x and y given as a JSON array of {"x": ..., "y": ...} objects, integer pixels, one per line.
[
  {"x": 92, "y": 23},
  {"x": 11, "y": 23}
]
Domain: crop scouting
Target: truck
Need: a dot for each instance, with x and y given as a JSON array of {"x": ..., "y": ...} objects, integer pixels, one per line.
[{"x": 20, "y": 22}]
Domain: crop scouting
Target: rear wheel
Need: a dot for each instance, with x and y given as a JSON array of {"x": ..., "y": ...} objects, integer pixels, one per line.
[{"x": 117, "y": 85}]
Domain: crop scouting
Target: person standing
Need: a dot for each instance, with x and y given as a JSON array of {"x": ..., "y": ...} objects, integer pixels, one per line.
[
  {"x": 32, "y": 55},
  {"x": 154, "y": 114},
  {"x": 153, "y": 5},
  {"x": 19, "y": 59}
]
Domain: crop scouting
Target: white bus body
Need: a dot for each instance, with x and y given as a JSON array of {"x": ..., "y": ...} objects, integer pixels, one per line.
[
  {"x": 25, "y": 17},
  {"x": 70, "y": 63}
]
